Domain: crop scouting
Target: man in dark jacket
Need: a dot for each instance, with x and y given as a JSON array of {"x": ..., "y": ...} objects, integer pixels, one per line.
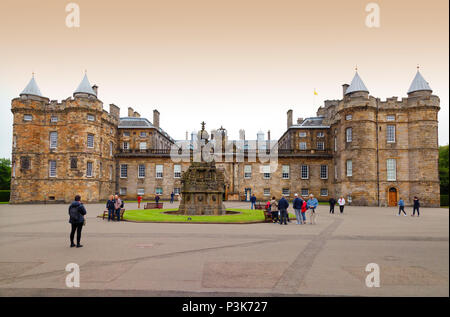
[
  {"x": 297, "y": 204},
  {"x": 332, "y": 202},
  {"x": 76, "y": 213},
  {"x": 253, "y": 201},
  {"x": 283, "y": 205},
  {"x": 110, "y": 207},
  {"x": 416, "y": 206}
]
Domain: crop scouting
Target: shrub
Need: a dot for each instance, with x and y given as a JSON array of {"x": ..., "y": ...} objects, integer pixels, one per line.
[
  {"x": 444, "y": 200},
  {"x": 4, "y": 195}
]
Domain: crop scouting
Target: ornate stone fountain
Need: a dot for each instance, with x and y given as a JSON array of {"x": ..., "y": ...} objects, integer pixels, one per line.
[{"x": 202, "y": 186}]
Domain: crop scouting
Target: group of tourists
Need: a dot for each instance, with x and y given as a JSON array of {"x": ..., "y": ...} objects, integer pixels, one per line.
[
  {"x": 416, "y": 205},
  {"x": 280, "y": 214},
  {"x": 341, "y": 203},
  {"x": 113, "y": 205}
]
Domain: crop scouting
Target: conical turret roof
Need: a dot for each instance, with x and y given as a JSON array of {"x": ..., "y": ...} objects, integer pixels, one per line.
[
  {"x": 418, "y": 83},
  {"x": 32, "y": 88},
  {"x": 85, "y": 87},
  {"x": 356, "y": 85}
]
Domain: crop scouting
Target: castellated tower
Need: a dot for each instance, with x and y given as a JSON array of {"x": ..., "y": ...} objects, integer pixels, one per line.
[{"x": 62, "y": 149}]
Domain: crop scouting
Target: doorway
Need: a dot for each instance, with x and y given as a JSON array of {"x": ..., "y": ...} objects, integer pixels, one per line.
[
  {"x": 392, "y": 198},
  {"x": 248, "y": 194}
]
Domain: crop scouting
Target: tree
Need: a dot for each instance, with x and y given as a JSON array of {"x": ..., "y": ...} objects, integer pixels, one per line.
[
  {"x": 443, "y": 168},
  {"x": 5, "y": 173}
]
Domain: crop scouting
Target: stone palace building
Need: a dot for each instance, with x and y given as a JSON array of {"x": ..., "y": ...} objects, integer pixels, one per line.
[{"x": 370, "y": 151}]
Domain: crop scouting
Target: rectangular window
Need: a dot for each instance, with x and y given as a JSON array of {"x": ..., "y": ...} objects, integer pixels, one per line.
[
  {"x": 320, "y": 134},
  {"x": 266, "y": 191},
  {"x": 53, "y": 140},
  {"x": 27, "y": 117},
  {"x": 177, "y": 171},
  {"x": 110, "y": 173},
  {"x": 285, "y": 172},
  {"x": 111, "y": 147},
  {"x": 305, "y": 192},
  {"x": 52, "y": 168},
  {"x": 126, "y": 133},
  {"x": 24, "y": 163},
  {"x": 349, "y": 134},
  {"x": 142, "y": 146},
  {"x": 390, "y": 133},
  {"x": 141, "y": 171},
  {"x": 390, "y": 118},
  {"x": 391, "y": 166},
  {"x": 348, "y": 117},
  {"x": 285, "y": 192},
  {"x": 14, "y": 141},
  {"x": 304, "y": 172},
  {"x": 125, "y": 146},
  {"x": 123, "y": 191},
  {"x": 177, "y": 190},
  {"x": 143, "y": 134},
  {"x": 159, "y": 191},
  {"x": 100, "y": 170},
  {"x": 335, "y": 144},
  {"x": 73, "y": 162},
  {"x": 302, "y": 145},
  {"x": 90, "y": 117},
  {"x": 90, "y": 141},
  {"x": 159, "y": 171},
  {"x": 349, "y": 168},
  {"x": 321, "y": 146},
  {"x": 123, "y": 170},
  {"x": 302, "y": 134},
  {"x": 324, "y": 192},
  {"x": 266, "y": 171},
  {"x": 324, "y": 171},
  {"x": 141, "y": 191},
  {"x": 89, "y": 169},
  {"x": 247, "y": 171},
  {"x": 53, "y": 119}
]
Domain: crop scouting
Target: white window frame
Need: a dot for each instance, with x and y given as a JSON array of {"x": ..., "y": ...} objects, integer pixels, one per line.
[
  {"x": 390, "y": 134},
  {"x": 27, "y": 117},
  {"x": 323, "y": 171},
  {"x": 266, "y": 171},
  {"x": 247, "y": 171},
  {"x": 52, "y": 168},
  {"x": 285, "y": 192},
  {"x": 322, "y": 146},
  {"x": 349, "y": 164},
  {"x": 304, "y": 172},
  {"x": 123, "y": 191},
  {"x": 89, "y": 169},
  {"x": 176, "y": 171},
  {"x": 176, "y": 190},
  {"x": 126, "y": 145},
  {"x": 142, "y": 146},
  {"x": 391, "y": 170},
  {"x": 348, "y": 117},
  {"x": 126, "y": 133},
  {"x": 141, "y": 171},
  {"x": 303, "y": 193},
  {"x": 110, "y": 173},
  {"x": 53, "y": 139},
  {"x": 90, "y": 117},
  {"x": 266, "y": 191},
  {"x": 159, "y": 171},
  {"x": 349, "y": 135},
  {"x": 320, "y": 134},
  {"x": 303, "y": 146},
  {"x": 111, "y": 148},
  {"x": 90, "y": 136},
  {"x": 141, "y": 191},
  {"x": 390, "y": 117},
  {"x": 324, "y": 192},
  {"x": 285, "y": 171},
  {"x": 123, "y": 170},
  {"x": 54, "y": 119},
  {"x": 302, "y": 134},
  {"x": 159, "y": 191},
  {"x": 335, "y": 143}
]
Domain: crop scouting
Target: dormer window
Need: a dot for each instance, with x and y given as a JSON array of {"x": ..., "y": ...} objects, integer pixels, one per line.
[
  {"x": 348, "y": 117},
  {"x": 143, "y": 134},
  {"x": 53, "y": 119},
  {"x": 27, "y": 117},
  {"x": 302, "y": 134},
  {"x": 126, "y": 133},
  {"x": 320, "y": 134},
  {"x": 90, "y": 117},
  {"x": 390, "y": 118}
]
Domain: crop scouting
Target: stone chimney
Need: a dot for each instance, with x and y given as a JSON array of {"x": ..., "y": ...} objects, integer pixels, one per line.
[
  {"x": 156, "y": 118},
  {"x": 241, "y": 134},
  {"x": 136, "y": 114},
  {"x": 95, "y": 89},
  {"x": 344, "y": 89},
  {"x": 299, "y": 120},
  {"x": 130, "y": 112},
  {"x": 114, "y": 111},
  {"x": 289, "y": 118}
]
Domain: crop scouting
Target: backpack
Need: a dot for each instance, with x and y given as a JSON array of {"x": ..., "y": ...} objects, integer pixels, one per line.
[
  {"x": 74, "y": 213},
  {"x": 122, "y": 204}
]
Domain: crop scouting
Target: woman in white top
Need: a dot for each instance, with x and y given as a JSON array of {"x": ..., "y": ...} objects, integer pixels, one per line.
[{"x": 341, "y": 202}]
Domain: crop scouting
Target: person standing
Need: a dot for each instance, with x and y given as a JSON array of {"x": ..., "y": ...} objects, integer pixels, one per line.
[
  {"x": 157, "y": 199},
  {"x": 117, "y": 206},
  {"x": 172, "y": 196},
  {"x": 76, "y": 219},
  {"x": 312, "y": 205},
  {"x": 253, "y": 201},
  {"x": 110, "y": 206},
  {"x": 274, "y": 209},
  {"x": 332, "y": 202},
  {"x": 297, "y": 205},
  {"x": 303, "y": 214},
  {"x": 283, "y": 205},
  {"x": 139, "y": 199},
  {"x": 401, "y": 207},
  {"x": 416, "y": 205},
  {"x": 341, "y": 202}
]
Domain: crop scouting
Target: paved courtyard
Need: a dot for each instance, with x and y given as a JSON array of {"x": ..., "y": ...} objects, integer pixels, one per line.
[{"x": 149, "y": 259}]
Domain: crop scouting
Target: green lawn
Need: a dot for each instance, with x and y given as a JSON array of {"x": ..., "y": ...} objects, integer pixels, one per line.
[{"x": 157, "y": 215}]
